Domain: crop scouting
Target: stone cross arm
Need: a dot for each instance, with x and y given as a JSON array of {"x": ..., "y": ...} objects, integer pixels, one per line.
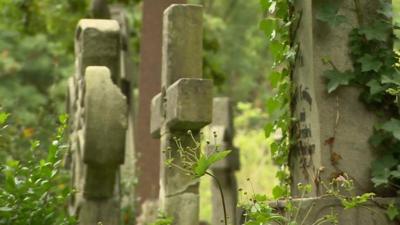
[{"x": 186, "y": 105}]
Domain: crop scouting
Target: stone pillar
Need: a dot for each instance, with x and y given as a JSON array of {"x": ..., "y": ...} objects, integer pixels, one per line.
[
  {"x": 147, "y": 150},
  {"x": 333, "y": 129},
  {"x": 185, "y": 103},
  {"x": 224, "y": 170},
  {"x": 98, "y": 120}
]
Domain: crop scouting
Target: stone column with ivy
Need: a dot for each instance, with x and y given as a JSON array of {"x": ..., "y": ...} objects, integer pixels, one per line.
[
  {"x": 183, "y": 107},
  {"x": 339, "y": 106}
]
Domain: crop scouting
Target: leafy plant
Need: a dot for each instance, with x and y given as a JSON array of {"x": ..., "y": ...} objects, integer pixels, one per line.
[
  {"x": 276, "y": 27},
  {"x": 376, "y": 72},
  {"x": 162, "y": 219},
  {"x": 35, "y": 192}
]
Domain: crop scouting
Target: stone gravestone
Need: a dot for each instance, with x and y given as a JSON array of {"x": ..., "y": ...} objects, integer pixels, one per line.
[
  {"x": 185, "y": 103},
  {"x": 224, "y": 170},
  {"x": 98, "y": 120},
  {"x": 333, "y": 129},
  {"x": 147, "y": 150}
]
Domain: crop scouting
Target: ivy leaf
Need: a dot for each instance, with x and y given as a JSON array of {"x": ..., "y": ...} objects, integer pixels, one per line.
[
  {"x": 268, "y": 26},
  {"x": 386, "y": 9},
  {"x": 381, "y": 170},
  {"x": 265, "y": 4},
  {"x": 329, "y": 13},
  {"x": 392, "y": 211},
  {"x": 375, "y": 87},
  {"x": 337, "y": 78},
  {"x": 369, "y": 63},
  {"x": 377, "y": 31},
  {"x": 392, "y": 126}
]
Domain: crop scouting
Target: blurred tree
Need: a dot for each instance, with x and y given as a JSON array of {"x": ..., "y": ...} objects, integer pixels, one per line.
[{"x": 235, "y": 49}]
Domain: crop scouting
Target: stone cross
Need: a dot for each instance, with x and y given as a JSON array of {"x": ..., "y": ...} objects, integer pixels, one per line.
[
  {"x": 185, "y": 103},
  {"x": 98, "y": 120},
  {"x": 224, "y": 170},
  {"x": 332, "y": 131},
  {"x": 149, "y": 82}
]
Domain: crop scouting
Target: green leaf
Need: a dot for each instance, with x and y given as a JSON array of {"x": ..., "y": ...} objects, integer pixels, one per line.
[
  {"x": 205, "y": 162},
  {"x": 279, "y": 192},
  {"x": 260, "y": 198},
  {"x": 217, "y": 156},
  {"x": 3, "y": 117},
  {"x": 337, "y": 78},
  {"x": 375, "y": 87},
  {"x": 329, "y": 13},
  {"x": 378, "y": 31},
  {"x": 381, "y": 170},
  {"x": 392, "y": 126},
  {"x": 369, "y": 63},
  {"x": 265, "y": 4},
  {"x": 268, "y": 26},
  {"x": 392, "y": 211}
]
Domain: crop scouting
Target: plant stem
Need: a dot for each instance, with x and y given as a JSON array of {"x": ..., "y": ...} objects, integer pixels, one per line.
[{"x": 222, "y": 196}]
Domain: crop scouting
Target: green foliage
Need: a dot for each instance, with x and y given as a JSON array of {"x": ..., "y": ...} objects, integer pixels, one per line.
[
  {"x": 336, "y": 78},
  {"x": 205, "y": 161},
  {"x": 329, "y": 13},
  {"x": 393, "y": 211},
  {"x": 34, "y": 192},
  {"x": 376, "y": 72},
  {"x": 276, "y": 27},
  {"x": 162, "y": 219}
]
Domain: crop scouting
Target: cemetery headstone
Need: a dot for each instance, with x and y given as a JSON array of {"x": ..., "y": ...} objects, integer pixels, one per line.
[
  {"x": 333, "y": 129},
  {"x": 147, "y": 150},
  {"x": 98, "y": 121},
  {"x": 185, "y": 103},
  {"x": 223, "y": 131}
]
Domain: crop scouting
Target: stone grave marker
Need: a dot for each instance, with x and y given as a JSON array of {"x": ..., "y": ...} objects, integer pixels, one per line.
[
  {"x": 185, "y": 103},
  {"x": 98, "y": 121},
  {"x": 333, "y": 129},
  {"x": 224, "y": 170},
  {"x": 147, "y": 150}
]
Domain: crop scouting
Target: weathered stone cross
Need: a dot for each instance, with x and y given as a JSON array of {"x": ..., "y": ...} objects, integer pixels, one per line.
[
  {"x": 98, "y": 117},
  {"x": 224, "y": 170},
  {"x": 185, "y": 103}
]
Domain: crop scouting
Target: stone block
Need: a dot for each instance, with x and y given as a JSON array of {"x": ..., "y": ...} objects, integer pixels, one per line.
[
  {"x": 175, "y": 181},
  {"x": 99, "y": 182},
  {"x": 370, "y": 213},
  {"x": 228, "y": 184},
  {"x": 156, "y": 116},
  {"x": 223, "y": 116},
  {"x": 189, "y": 104},
  {"x": 183, "y": 208},
  {"x": 94, "y": 212},
  {"x": 332, "y": 130},
  {"x": 106, "y": 119},
  {"x": 182, "y": 43},
  {"x": 98, "y": 44}
]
